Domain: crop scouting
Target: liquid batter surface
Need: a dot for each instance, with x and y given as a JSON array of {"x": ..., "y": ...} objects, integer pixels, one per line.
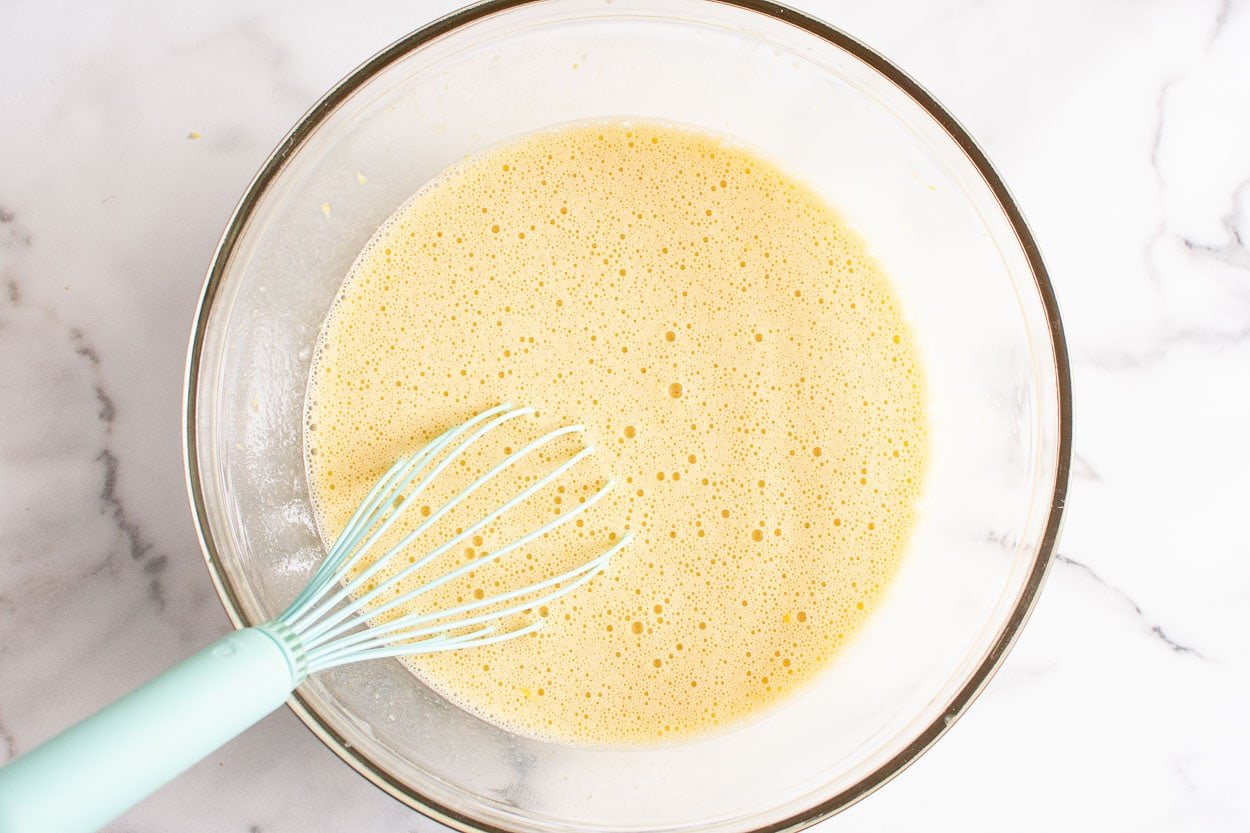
[{"x": 742, "y": 366}]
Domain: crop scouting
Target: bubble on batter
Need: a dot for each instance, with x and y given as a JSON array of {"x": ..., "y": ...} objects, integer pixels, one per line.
[{"x": 768, "y": 458}]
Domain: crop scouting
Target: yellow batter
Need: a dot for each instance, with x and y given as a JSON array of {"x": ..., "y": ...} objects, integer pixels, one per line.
[{"x": 738, "y": 359}]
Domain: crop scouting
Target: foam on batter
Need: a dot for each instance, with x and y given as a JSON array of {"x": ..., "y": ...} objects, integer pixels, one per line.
[{"x": 742, "y": 365}]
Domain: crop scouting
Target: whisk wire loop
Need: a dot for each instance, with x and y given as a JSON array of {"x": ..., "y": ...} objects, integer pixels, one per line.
[
  {"x": 372, "y": 509},
  {"x": 334, "y": 630},
  {"x": 387, "y": 511},
  {"x": 359, "y": 581},
  {"x": 349, "y": 610},
  {"x": 407, "y": 627}
]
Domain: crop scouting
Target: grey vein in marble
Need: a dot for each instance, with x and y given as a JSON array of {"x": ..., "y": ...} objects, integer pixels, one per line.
[
  {"x": 138, "y": 546},
  {"x": 1232, "y": 252},
  {"x": 1082, "y": 469},
  {"x": 14, "y": 233},
  {"x": 1154, "y": 629},
  {"x": 8, "y": 743}
]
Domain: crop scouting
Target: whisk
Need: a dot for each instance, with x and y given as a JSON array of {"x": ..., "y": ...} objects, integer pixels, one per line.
[{"x": 91, "y": 772}]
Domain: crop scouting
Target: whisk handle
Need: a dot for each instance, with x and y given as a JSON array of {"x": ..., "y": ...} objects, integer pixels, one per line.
[{"x": 93, "y": 771}]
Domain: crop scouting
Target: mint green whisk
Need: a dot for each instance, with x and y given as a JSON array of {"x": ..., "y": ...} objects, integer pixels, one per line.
[{"x": 90, "y": 773}]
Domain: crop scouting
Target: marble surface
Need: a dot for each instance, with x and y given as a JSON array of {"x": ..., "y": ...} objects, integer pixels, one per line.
[{"x": 1122, "y": 127}]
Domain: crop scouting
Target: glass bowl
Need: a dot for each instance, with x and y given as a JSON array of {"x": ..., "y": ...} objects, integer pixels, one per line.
[{"x": 832, "y": 112}]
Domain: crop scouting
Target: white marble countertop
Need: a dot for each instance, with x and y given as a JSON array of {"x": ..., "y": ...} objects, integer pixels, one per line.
[{"x": 1122, "y": 127}]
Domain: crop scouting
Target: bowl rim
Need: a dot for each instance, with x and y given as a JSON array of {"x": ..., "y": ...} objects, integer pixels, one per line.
[{"x": 357, "y": 78}]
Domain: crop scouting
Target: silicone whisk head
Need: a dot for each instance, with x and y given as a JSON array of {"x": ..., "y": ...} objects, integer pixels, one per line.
[{"x": 332, "y": 615}]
